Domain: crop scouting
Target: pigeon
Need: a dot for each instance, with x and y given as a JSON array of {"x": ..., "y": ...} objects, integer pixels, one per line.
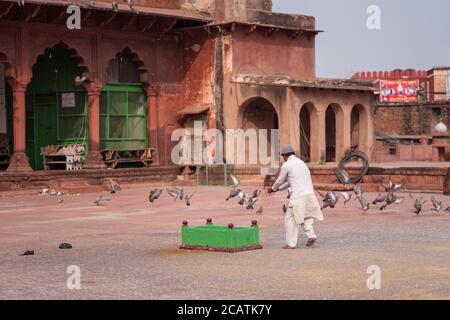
[
  {"x": 260, "y": 210},
  {"x": 113, "y": 186},
  {"x": 61, "y": 201},
  {"x": 44, "y": 191},
  {"x": 188, "y": 199},
  {"x": 80, "y": 80},
  {"x": 233, "y": 193},
  {"x": 174, "y": 194},
  {"x": 242, "y": 197},
  {"x": 357, "y": 190},
  {"x": 21, "y": 3},
  {"x": 130, "y": 4},
  {"x": 28, "y": 253},
  {"x": 447, "y": 210},
  {"x": 99, "y": 200},
  {"x": 60, "y": 194},
  {"x": 235, "y": 181},
  {"x": 437, "y": 205},
  {"x": 289, "y": 193},
  {"x": 390, "y": 199},
  {"x": 330, "y": 199},
  {"x": 392, "y": 186},
  {"x": 65, "y": 246},
  {"x": 256, "y": 193},
  {"x": 154, "y": 194},
  {"x": 418, "y": 204},
  {"x": 115, "y": 6},
  {"x": 250, "y": 202},
  {"x": 285, "y": 207},
  {"x": 347, "y": 197},
  {"x": 381, "y": 198},
  {"x": 364, "y": 204}
]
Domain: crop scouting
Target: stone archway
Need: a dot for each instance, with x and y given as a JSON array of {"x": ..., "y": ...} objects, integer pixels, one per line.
[
  {"x": 334, "y": 134},
  {"x": 56, "y": 104},
  {"x": 6, "y": 110},
  {"x": 126, "y": 67},
  {"x": 309, "y": 125},
  {"x": 359, "y": 128},
  {"x": 259, "y": 114}
]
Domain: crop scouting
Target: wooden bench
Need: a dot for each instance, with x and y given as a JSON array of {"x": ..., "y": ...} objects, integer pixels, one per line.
[{"x": 113, "y": 157}]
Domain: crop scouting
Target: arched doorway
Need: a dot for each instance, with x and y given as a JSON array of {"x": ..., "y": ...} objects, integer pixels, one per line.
[
  {"x": 359, "y": 128},
  {"x": 56, "y": 106},
  {"x": 6, "y": 117},
  {"x": 123, "y": 104},
  {"x": 334, "y": 133},
  {"x": 308, "y": 133},
  {"x": 259, "y": 114}
]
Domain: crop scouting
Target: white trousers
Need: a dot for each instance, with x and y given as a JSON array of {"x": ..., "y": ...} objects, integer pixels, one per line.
[{"x": 292, "y": 228}]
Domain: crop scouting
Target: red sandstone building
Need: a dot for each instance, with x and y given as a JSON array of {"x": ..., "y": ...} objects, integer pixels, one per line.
[
  {"x": 147, "y": 71},
  {"x": 414, "y": 137}
]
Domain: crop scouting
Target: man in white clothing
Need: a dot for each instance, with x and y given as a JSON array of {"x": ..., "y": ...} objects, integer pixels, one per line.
[{"x": 303, "y": 205}]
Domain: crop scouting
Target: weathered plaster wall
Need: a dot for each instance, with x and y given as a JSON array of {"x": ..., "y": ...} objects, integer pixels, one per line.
[{"x": 255, "y": 53}]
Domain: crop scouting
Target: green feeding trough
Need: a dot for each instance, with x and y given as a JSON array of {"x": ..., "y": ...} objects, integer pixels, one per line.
[{"x": 229, "y": 238}]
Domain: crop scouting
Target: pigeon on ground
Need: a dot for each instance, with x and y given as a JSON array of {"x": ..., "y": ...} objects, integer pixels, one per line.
[
  {"x": 347, "y": 197},
  {"x": 28, "y": 253},
  {"x": 260, "y": 210},
  {"x": 99, "y": 200},
  {"x": 437, "y": 205},
  {"x": 188, "y": 199},
  {"x": 154, "y": 195},
  {"x": 233, "y": 193},
  {"x": 391, "y": 199},
  {"x": 330, "y": 199},
  {"x": 418, "y": 204},
  {"x": 114, "y": 6},
  {"x": 113, "y": 186},
  {"x": 65, "y": 246}
]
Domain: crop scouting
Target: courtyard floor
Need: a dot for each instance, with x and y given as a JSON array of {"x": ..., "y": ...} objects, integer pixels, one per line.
[{"x": 128, "y": 249}]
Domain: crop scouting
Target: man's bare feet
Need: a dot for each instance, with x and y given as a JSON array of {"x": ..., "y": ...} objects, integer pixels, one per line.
[
  {"x": 288, "y": 247},
  {"x": 311, "y": 242}
]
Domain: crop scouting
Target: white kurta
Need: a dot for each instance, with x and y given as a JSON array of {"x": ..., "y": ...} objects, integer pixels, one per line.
[{"x": 303, "y": 206}]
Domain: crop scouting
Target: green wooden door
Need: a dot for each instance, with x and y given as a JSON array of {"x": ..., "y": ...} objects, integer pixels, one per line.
[{"x": 46, "y": 133}]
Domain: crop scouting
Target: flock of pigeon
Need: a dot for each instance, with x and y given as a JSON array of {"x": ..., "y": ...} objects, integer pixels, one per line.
[
  {"x": 330, "y": 199},
  {"x": 243, "y": 197}
]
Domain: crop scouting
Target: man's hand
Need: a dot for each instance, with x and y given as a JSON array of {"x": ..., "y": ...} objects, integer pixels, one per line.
[{"x": 270, "y": 190}]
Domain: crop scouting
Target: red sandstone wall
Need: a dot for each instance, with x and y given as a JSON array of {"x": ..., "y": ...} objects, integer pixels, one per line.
[{"x": 277, "y": 54}]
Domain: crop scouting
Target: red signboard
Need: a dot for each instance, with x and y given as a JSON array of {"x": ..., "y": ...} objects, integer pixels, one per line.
[{"x": 399, "y": 90}]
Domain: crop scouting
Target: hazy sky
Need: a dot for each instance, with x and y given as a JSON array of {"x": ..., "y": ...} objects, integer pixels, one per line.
[{"x": 414, "y": 34}]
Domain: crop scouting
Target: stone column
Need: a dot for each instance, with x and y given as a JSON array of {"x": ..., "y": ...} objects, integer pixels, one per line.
[
  {"x": 347, "y": 132},
  {"x": 94, "y": 159},
  {"x": 19, "y": 160},
  {"x": 153, "y": 93}
]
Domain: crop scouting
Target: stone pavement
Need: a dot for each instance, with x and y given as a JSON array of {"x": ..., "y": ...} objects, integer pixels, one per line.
[{"x": 128, "y": 249}]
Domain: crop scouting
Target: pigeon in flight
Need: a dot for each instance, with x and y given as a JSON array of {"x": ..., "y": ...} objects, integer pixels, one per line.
[
  {"x": 233, "y": 194},
  {"x": 188, "y": 199},
  {"x": 115, "y": 6},
  {"x": 154, "y": 194},
  {"x": 418, "y": 204},
  {"x": 21, "y": 3},
  {"x": 80, "y": 80},
  {"x": 357, "y": 190},
  {"x": 380, "y": 199},
  {"x": 347, "y": 197},
  {"x": 330, "y": 199},
  {"x": 364, "y": 204},
  {"x": 250, "y": 201},
  {"x": 437, "y": 205},
  {"x": 235, "y": 181},
  {"x": 176, "y": 193}
]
